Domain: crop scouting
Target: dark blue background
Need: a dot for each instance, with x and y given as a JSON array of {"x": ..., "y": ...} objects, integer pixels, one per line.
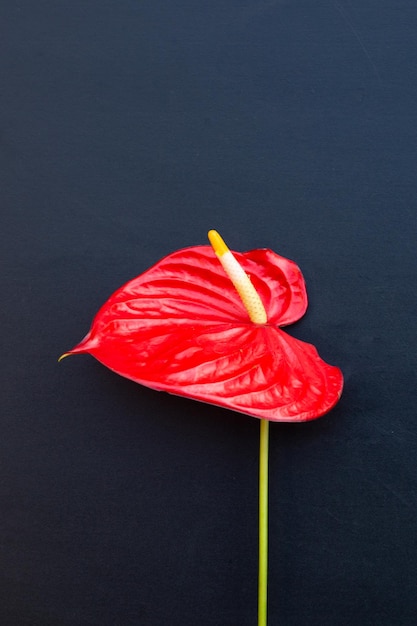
[{"x": 127, "y": 130}]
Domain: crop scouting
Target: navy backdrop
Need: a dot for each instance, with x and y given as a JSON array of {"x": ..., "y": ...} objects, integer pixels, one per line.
[{"x": 129, "y": 128}]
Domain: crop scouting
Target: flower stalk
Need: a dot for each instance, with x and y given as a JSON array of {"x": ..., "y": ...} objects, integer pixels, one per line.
[{"x": 263, "y": 524}]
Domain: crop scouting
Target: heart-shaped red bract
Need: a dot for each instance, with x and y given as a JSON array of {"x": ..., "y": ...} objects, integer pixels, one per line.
[{"x": 181, "y": 327}]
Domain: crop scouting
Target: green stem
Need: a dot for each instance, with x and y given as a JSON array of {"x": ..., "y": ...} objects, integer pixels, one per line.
[{"x": 263, "y": 524}]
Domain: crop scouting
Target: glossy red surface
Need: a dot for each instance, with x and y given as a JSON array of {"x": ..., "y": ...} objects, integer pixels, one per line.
[{"x": 181, "y": 327}]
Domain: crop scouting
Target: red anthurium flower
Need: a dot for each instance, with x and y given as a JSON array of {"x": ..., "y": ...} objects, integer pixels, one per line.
[{"x": 208, "y": 326}]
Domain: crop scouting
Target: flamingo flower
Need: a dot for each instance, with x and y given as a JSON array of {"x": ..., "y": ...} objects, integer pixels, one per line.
[{"x": 205, "y": 323}]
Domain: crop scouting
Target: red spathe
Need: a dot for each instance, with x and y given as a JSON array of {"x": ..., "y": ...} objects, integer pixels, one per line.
[{"x": 181, "y": 327}]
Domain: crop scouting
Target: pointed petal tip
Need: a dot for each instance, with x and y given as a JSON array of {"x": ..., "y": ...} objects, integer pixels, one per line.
[{"x": 81, "y": 348}]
